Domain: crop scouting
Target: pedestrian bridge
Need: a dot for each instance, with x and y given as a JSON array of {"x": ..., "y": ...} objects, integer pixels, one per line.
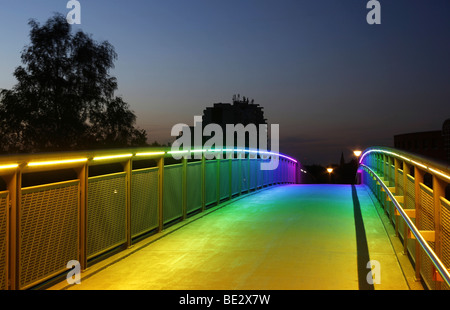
[{"x": 137, "y": 219}]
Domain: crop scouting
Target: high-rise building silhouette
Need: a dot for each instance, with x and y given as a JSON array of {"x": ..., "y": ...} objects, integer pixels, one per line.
[{"x": 240, "y": 111}]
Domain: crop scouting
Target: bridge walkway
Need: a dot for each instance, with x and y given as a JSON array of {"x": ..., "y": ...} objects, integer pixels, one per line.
[{"x": 293, "y": 237}]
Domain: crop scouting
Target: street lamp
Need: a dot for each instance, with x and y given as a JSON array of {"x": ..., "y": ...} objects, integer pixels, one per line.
[
  {"x": 330, "y": 171},
  {"x": 357, "y": 153}
]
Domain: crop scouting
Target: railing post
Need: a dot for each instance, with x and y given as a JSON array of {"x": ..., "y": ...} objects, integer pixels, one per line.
[
  {"x": 14, "y": 186},
  {"x": 249, "y": 170},
  {"x": 203, "y": 165},
  {"x": 218, "y": 159},
  {"x": 388, "y": 168},
  {"x": 418, "y": 178},
  {"x": 438, "y": 192},
  {"x": 240, "y": 173},
  {"x": 230, "y": 177},
  {"x": 397, "y": 192},
  {"x": 184, "y": 188},
  {"x": 406, "y": 171},
  {"x": 127, "y": 168},
  {"x": 386, "y": 174},
  {"x": 160, "y": 193},
  {"x": 381, "y": 164},
  {"x": 82, "y": 174}
]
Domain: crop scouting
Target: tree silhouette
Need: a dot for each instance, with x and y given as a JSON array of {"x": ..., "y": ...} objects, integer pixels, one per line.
[{"x": 64, "y": 98}]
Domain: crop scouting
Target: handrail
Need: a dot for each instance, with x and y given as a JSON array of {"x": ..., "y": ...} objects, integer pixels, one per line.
[
  {"x": 440, "y": 169},
  {"x": 15, "y": 171},
  {"x": 440, "y": 267},
  {"x": 10, "y": 162}
]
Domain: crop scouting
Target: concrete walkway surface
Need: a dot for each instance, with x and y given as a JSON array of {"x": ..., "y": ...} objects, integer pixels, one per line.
[{"x": 292, "y": 237}]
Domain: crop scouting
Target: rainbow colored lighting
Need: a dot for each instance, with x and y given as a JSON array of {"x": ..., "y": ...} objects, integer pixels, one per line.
[{"x": 425, "y": 167}]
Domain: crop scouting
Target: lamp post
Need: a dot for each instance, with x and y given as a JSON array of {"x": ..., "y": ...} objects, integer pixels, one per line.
[
  {"x": 357, "y": 153},
  {"x": 330, "y": 171}
]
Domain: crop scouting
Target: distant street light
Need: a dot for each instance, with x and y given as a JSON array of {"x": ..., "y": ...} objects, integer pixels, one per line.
[
  {"x": 330, "y": 171},
  {"x": 357, "y": 154}
]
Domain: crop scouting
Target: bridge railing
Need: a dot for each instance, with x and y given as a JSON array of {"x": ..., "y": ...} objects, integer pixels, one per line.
[
  {"x": 412, "y": 191},
  {"x": 59, "y": 207}
]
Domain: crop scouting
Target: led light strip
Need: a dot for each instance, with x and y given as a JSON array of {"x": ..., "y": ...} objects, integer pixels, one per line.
[
  {"x": 98, "y": 158},
  {"x": 178, "y": 152},
  {"x": 112, "y": 157},
  {"x": 12, "y": 166},
  {"x": 407, "y": 159},
  {"x": 151, "y": 154},
  {"x": 234, "y": 150},
  {"x": 440, "y": 173},
  {"x": 56, "y": 162}
]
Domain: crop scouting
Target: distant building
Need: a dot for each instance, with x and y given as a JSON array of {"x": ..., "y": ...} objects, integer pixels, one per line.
[
  {"x": 446, "y": 137},
  {"x": 241, "y": 111},
  {"x": 433, "y": 144}
]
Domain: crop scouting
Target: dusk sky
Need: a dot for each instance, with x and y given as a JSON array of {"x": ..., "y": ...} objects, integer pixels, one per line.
[{"x": 329, "y": 79}]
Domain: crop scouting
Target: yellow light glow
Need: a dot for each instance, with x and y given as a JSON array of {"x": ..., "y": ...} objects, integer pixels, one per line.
[
  {"x": 151, "y": 154},
  {"x": 440, "y": 173},
  {"x": 12, "y": 166},
  {"x": 357, "y": 153},
  {"x": 57, "y": 162},
  {"x": 330, "y": 170},
  {"x": 418, "y": 164},
  {"x": 112, "y": 156},
  {"x": 405, "y": 158}
]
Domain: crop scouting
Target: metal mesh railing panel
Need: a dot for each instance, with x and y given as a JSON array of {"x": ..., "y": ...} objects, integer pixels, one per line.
[
  {"x": 410, "y": 196},
  {"x": 410, "y": 204},
  {"x": 401, "y": 223},
  {"x": 260, "y": 173},
  {"x": 235, "y": 176},
  {"x": 400, "y": 182},
  {"x": 194, "y": 186},
  {"x": 3, "y": 240},
  {"x": 244, "y": 175},
  {"x": 173, "y": 193},
  {"x": 144, "y": 201},
  {"x": 224, "y": 178},
  {"x": 266, "y": 174},
  {"x": 48, "y": 223},
  {"x": 210, "y": 182},
  {"x": 253, "y": 173},
  {"x": 392, "y": 175},
  {"x": 106, "y": 213},
  {"x": 427, "y": 223}
]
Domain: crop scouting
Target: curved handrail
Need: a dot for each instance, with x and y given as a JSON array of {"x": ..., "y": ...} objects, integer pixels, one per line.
[
  {"x": 13, "y": 161},
  {"x": 440, "y": 267},
  {"x": 433, "y": 166}
]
